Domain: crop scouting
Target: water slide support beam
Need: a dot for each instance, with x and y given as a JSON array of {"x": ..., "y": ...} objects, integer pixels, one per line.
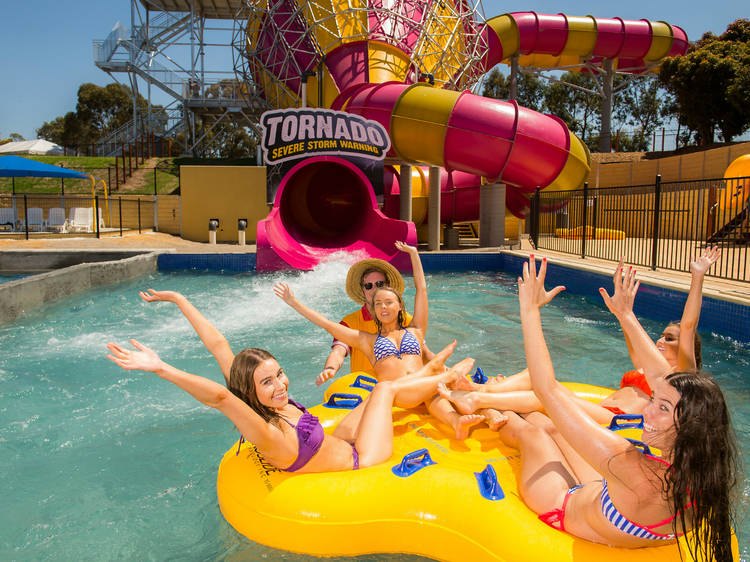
[
  {"x": 404, "y": 184},
  {"x": 492, "y": 215},
  {"x": 513, "y": 77},
  {"x": 605, "y": 138},
  {"x": 433, "y": 213}
]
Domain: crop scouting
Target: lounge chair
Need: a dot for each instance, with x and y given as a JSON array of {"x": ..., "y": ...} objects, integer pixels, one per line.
[
  {"x": 35, "y": 216},
  {"x": 8, "y": 218},
  {"x": 56, "y": 220},
  {"x": 82, "y": 219}
]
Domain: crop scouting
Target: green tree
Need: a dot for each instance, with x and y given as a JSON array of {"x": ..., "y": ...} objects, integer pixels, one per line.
[
  {"x": 530, "y": 93},
  {"x": 577, "y": 105},
  {"x": 640, "y": 106},
  {"x": 710, "y": 83}
]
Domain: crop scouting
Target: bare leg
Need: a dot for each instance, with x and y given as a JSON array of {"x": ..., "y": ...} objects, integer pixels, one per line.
[
  {"x": 545, "y": 473},
  {"x": 444, "y": 411},
  {"x": 519, "y": 381},
  {"x": 348, "y": 427},
  {"x": 522, "y": 401},
  {"x": 374, "y": 440},
  {"x": 582, "y": 469}
]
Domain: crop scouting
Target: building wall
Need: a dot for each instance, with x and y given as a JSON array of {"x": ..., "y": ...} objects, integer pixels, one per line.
[{"x": 227, "y": 193}]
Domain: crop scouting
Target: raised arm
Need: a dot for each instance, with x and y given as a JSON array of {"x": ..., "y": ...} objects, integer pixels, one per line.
[
  {"x": 591, "y": 440},
  {"x": 206, "y": 391},
  {"x": 351, "y": 337},
  {"x": 211, "y": 337},
  {"x": 643, "y": 351},
  {"x": 333, "y": 363},
  {"x": 419, "y": 319},
  {"x": 686, "y": 360}
]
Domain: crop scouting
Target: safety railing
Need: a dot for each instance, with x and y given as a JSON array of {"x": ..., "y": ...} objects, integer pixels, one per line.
[
  {"x": 660, "y": 226},
  {"x": 44, "y": 215}
]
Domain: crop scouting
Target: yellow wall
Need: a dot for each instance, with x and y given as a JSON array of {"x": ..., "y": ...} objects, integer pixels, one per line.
[
  {"x": 224, "y": 192},
  {"x": 707, "y": 164}
]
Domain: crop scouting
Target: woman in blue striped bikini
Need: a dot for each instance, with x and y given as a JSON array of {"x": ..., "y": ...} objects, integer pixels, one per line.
[
  {"x": 604, "y": 489},
  {"x": 395, "y": 351}
]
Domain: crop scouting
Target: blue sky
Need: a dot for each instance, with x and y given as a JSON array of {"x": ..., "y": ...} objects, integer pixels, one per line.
[{"x": 46, "y": 46}]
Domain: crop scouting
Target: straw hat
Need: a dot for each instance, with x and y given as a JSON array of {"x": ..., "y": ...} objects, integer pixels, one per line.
[{"x": 354, "y": 277}]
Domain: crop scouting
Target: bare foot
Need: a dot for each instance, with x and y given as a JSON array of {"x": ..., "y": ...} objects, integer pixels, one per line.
[
  {"x": 465, "y": 423},
  {"x": 458, "y": 371},
  {"x": 436, "y": 365},
  {"x": 463, "y": 383},
  {"x": 494, "y": 418},
  {"x": 465, "y": 402}
]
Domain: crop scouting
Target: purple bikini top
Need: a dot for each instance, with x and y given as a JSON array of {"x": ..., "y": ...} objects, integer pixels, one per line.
[{"x": 310, "y": 437}]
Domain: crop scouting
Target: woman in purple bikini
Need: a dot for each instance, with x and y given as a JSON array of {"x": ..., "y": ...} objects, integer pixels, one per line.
[{"x": 256, "y": 399}]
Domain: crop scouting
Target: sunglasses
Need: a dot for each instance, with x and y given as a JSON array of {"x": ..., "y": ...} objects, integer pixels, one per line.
[{"x": 368, "y": 286}]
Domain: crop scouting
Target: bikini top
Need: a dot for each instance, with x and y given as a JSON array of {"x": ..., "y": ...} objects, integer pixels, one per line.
[
  {"x": 310, "y": 437},
  {"x": 386, "y": 348},
  {"x": 625, "y": 525}
]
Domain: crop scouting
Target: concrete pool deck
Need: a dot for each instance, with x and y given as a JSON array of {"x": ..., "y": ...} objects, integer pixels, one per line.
[{"x": 734, "y": 291}]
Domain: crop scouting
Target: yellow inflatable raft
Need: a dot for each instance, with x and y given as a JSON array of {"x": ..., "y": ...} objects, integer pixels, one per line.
[
  {"x": 440, "y": 510},
  {"x": 591, "y": 233}
]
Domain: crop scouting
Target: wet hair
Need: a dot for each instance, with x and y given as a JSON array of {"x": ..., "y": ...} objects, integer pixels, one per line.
[
  {"x": 697, "y": 345},
  {"x": 705, "y": 466},
  {"x": 242, "y": 381},
  {"x": 400, "y": 318}
]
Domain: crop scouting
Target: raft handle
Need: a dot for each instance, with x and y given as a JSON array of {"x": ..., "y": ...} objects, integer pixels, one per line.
[
  {"x": 640, "y": 445},
  {"x": 634, "y": 421},
  {"x": 479, "y": 377},
  {"x": 413, "y": 462},
  {"x": 489, "y": 487},
  {"x": 343, "y": 401},
  {"x": 363, "y": 381}
]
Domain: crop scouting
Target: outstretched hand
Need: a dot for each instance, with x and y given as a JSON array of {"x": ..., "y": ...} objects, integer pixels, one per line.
[
  {"x": 144, "y": 359},
  {"x": 700, "y": 265},
  {"x": 625, "y": 288},
  {"x": 404, "y": 247},
  {"x": 531, "y": 292},
  {"x": 156, "y": 296},
  {"x": 284, "y": 292}
]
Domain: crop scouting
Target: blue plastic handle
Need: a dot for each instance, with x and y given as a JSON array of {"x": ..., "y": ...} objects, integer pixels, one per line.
[
  {"x": 640, "y": 445},
  {"x": 362, "y": 381},
  {"x": 343, "y": 401},
  {"x": 479, "y": 377},
  {"x": 489, "y": 487},
  {"x": 626, "y": 421},
  {"x": 413, "y": 462}
]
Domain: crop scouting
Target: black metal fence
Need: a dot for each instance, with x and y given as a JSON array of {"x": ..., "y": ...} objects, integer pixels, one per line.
[
  {"x": 663, "y": 225},
  {"x": 35, "y": 215},
  {"x": 134, "y": 180}
]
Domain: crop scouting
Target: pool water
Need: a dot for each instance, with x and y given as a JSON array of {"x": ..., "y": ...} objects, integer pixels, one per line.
[
  {"x": 6, "y": 277},
  {"x": 101, "y": 463}
]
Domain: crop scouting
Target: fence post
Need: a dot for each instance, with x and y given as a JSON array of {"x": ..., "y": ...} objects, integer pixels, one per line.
[
  {"x": 139, "y": 215},
  {"x": 535, "y": 206},
  {"x": 584, "y": 214},
  {"x": 119, "y": 200},
  {"x": 655, "y": 226},
  {"x": 96, "y": 214},
  {"x": 109, "y": 177},
  {"x": 26, "y": 216}
]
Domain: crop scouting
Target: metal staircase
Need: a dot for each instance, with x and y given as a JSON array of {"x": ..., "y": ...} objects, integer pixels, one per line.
[
  {"x": 153, "y": 52},
  {"x": 735, "y": 232}
]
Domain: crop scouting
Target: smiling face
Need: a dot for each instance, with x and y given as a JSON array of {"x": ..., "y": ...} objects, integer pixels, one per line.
[
  {"x": 668, "y": 343},
  {"x": 387, "y": 304},
  {"x": 373, "y": 280},
  {"x": 658, "y": 417},
  {"x": 271, "y": 384}
]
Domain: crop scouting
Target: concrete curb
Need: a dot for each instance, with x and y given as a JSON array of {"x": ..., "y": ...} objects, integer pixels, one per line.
[{"x": 19, "y": 297}]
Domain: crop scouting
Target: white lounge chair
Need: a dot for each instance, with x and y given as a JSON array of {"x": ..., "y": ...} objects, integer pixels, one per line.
[
  {"x": 35, "y": 216},
  {"x": 82, "y": 219},
  {"x": 8, "y": 218},
  {"x": 56, "y": 220}
]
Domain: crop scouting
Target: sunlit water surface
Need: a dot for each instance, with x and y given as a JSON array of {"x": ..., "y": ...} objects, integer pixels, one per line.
[{"x": 100, "y": 463}]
